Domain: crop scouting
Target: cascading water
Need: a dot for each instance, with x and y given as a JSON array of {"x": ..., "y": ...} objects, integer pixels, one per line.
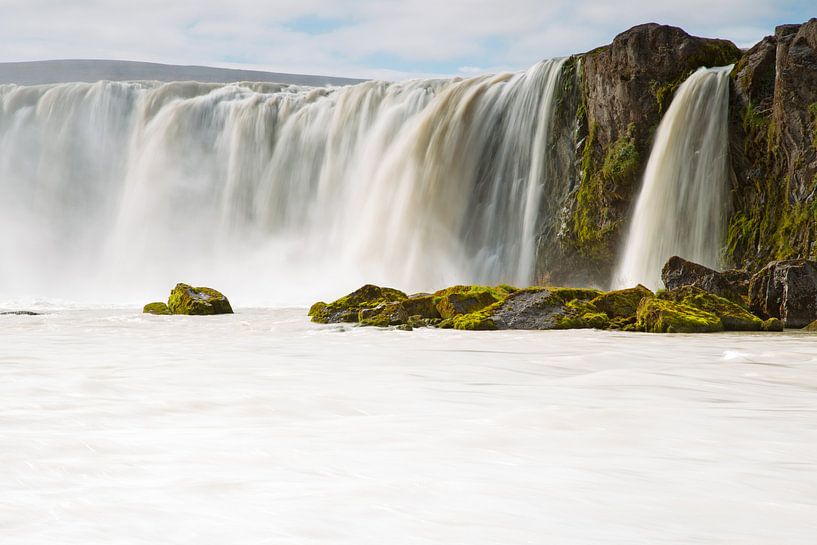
[
  {"x": 276, "y": 194},
  {"x": 680, "y": 210}
]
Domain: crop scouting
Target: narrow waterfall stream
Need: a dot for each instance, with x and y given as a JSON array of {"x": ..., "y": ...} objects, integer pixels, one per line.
[{"x": 681, "y": 209}]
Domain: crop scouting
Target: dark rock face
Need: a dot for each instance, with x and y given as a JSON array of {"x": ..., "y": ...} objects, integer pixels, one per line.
[
  {"x": 786, "y": 290},
  {"x": 732, "y": 284},
  {"x": 626, "y": 86},
  {"x": 773, "y": 137},
  {"x": 19, "y": 313},
  {"x": 529, "y": 309}
]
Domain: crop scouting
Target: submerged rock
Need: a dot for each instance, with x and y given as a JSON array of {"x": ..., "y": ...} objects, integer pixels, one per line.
[
  {"x": 201, "y": 301},
  {"x": 733, "y": 317},
  {"x": 657, "y": 315},
  {"x": 19, "y": 313},
  {"x": 786, "y": 290},
  {"x": 347, "y": 308},
  {"x": 156, "y": 308},
  {"x": 732, "y": 284}
]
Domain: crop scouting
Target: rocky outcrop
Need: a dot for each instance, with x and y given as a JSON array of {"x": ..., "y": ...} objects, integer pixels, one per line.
[
  {"x": 733, "y": 317},
  {"x": 625, "y": 88},
  {"x": 348, "y": 308},
  {"x": 732, "y": 284},
  {"x": 688, "y": 309},
  {"x": 201, "y": 301},
  {"x": 774, "y": 149},
  {"x": 786, "y": 290},
  {"x": 656, "y": 315}
]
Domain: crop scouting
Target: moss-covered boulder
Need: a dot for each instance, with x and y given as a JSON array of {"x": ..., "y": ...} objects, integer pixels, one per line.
[
  {"x": 535, "y": 308},
  {"x": 812, "y": 327},
  {"x": 459, "y": 300},
  {"x": 772, "y": 324},
  {"x": 621, "y": 303},
  {"x": 657, "y": 315},
  {"x": 156, "y": 308},
  {"x": 347, "y": 308},
  {"x": 423, "y": 305},
  {"x": 201, "y": 301},
  {"x": 384, "y": 315},
  {"x": 734, "y": 317}
]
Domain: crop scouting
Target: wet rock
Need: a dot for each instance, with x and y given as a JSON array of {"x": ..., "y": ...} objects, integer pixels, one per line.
[
  {"x": 732, "y": 284},
  {"x": 786, "y": 290},
  {"x": 19, "y": 313},
  {"x": 733, "y": 316},
  {"x": 812, "y": 327},
  {"x": 201, "y": 301},
  {"x": 621, "y": 303},
  {"x": 459, "y": 300},
  {"x": 156, "y": 308},
  {"x": 385, "y": 315},
  {"x": 657, "y": 315},
  {"x": 347, "y": 308},
  {"x": 772, "y": 324},
  {"x": 421, "y": 305}
]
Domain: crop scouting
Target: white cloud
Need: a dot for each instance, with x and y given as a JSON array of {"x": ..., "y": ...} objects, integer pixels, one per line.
[{"x": 378, "y": 38}]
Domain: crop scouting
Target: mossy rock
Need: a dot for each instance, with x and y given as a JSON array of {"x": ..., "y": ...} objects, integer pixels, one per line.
[
  {"x": 347, "y": 308},
  {"x": 458, "y": 300},
  {"x": 156, "y": 308},
  {"x": 481, "y": 320},
  {"x": 201, "y": 301},
  {"x": 383, "y": 316},
  {"x": 422, "y": 305},
  {"x": 580, "y": 314},
  {"x": 656, "y": 315},
  {"x": 621, "y": 303},
  {"x": 774, "y": 324},
  {"x": 733, "y": 316},
  {"x": 812, "y": 327}
]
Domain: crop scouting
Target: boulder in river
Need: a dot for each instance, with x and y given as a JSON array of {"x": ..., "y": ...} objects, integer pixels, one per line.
[
  {"x": 348, "y": 308},
  {"x": 786, "y": 290},
  {"x": 732, "y": 284},
  {"x": 201, "y": 301},
  {"x": 159, "y": 308}
]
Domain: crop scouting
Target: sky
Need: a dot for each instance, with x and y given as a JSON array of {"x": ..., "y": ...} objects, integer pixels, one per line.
[{"x": 386, "y": 39}]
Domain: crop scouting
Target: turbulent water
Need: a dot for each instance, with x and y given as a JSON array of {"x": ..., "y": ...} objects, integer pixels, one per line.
[
  {"x": 118, "y": 428},
  {"x": 276, "y": 194},
  {"x": 680, "y": 210}
]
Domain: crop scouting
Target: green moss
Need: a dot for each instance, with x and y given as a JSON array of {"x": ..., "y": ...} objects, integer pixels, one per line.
[
  {"x": 657, "y": 315},
  {"x": 569, "y": 294},
  {"x": 812, "y": 109},
  {"x": 459, "y": 300},
  {"x": 772, "y": 324},
  {"x": 156, "y": 308},
  {"x": 480, "y": 320},
  {"x": 581, "y": 314},
  {"x": 812, "y": 327},
  {"x": 199, "y": 301},
  {"x": 733, "y": 316},
  {"x": 621, "y": 303},
  {"x": 348, "y": 307}
]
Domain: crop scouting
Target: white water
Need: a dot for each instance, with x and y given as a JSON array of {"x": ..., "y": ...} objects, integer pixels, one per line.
[
  {"x": 116, "y": 191},
  {"x": 118, "y": 428},
  {"x": 680, "y": 210}
]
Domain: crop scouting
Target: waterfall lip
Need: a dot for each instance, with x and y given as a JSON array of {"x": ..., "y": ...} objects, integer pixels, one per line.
[
  {"x": 680, "y": 210},
  {"x": 126, "y": 187}
]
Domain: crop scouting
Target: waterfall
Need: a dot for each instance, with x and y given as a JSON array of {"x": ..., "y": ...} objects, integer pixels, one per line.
[
  {"x": 273, "y": 193},
  {"x": 680, "y": 210}
]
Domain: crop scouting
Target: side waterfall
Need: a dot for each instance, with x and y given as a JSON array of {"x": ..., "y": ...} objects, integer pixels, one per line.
[
  {"x": 275, "y": 194},
  {"x": 680, "y": 210}
]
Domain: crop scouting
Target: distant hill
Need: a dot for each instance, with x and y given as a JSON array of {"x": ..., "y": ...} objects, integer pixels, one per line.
[{"x": 63, "y": 71}]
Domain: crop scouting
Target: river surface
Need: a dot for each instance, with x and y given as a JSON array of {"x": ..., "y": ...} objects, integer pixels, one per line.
[{"x": 120, "y": 428}]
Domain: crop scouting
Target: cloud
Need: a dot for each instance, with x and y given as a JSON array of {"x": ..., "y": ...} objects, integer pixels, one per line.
[{"x": 365, "y": 38}]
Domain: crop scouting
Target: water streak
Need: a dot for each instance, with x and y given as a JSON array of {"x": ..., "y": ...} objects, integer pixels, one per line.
[{"x": 680, "y": 210}]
